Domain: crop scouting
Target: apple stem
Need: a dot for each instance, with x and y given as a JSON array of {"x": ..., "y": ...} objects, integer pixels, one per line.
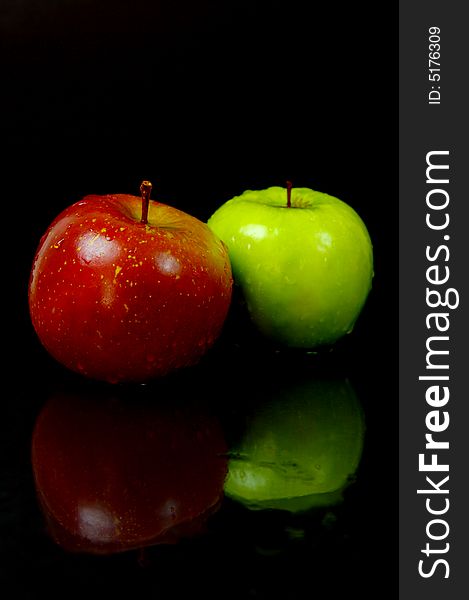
[
  {"x": 145, "y": 191},
  {"x": 289, "y": 187}
]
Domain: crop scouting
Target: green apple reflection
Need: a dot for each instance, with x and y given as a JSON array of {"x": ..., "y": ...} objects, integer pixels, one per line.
[{"x": 300, "y": 449}]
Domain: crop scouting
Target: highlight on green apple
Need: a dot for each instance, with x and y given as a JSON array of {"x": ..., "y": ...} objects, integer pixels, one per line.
[
  {"x": 300, "y": 449},
  {"x": 303, "y": 261}
]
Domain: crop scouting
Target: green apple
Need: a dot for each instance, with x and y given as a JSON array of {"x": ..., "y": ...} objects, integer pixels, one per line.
[
  {"x": 299, "y": 449},
  {"x": 303, "y": 261}
]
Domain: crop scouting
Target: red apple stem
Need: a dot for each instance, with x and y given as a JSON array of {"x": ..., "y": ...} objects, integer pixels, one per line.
[
  {"x": 145, "y": 191},
  {"x": 289, "y": 187}
]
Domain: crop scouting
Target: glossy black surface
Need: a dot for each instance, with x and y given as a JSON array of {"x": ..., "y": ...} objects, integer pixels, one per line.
[{"x": 235, "y": 95}]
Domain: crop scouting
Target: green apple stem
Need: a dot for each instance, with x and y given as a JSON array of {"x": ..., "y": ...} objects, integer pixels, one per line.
[
  {"x": 145, "y": 191},
  {"x": 289, "y": 187}
]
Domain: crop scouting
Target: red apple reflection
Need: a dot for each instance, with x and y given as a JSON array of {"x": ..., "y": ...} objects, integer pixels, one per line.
[{"x": 113, "y": 473}]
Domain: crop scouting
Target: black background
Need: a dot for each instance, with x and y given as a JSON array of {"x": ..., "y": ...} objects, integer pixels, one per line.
[{"x": 206, "y": 100}]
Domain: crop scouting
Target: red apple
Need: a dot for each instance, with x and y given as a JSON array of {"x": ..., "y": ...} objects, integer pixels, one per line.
[
  {"x": 127, "y": 289},
  {"x": 118, "y": 473}
]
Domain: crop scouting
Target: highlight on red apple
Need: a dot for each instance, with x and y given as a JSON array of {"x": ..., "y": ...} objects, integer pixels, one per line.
[
  {"x": 127, "y": 289},
  {"x": 120, "y": 472}
]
